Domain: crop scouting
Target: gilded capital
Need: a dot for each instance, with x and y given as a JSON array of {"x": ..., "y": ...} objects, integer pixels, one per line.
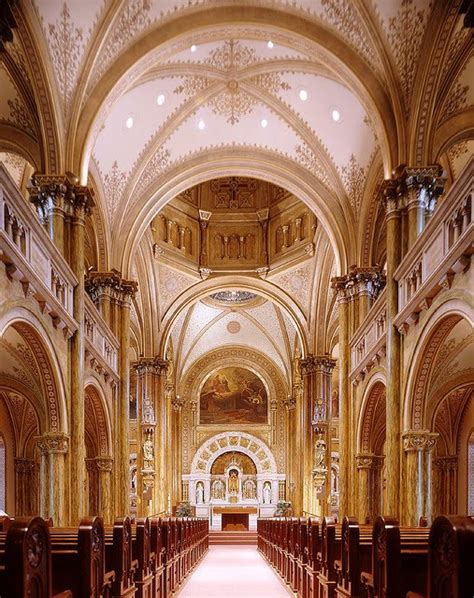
[
  {"x": 365, "y": 461},
  {"x": 104, "y": 463},
  {"x": 423, "y": 440},
  {"x": 51, "y": 443},
  {"x": 150, "y": 365}
]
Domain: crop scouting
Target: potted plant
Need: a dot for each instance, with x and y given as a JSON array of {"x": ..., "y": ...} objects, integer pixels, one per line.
[
  {"x": 283, "y": 509},
  {"x": 184, "y": 509}
]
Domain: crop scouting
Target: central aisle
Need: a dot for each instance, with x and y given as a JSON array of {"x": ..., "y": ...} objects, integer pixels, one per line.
[{"x": 233, "y": 572}]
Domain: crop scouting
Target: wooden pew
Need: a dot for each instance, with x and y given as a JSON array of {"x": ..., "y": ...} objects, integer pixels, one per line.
[
  {"x": 399, "y": 560},
  {"x": 356, "y": 556},
  {"x": 25, "y": 560},
  {"x": 330, "y": 548},
  {"x": 118, "y": 558},
  {"x": 301, "y": 558},
  {"x": 157, "y": 557},
  {"x": 77, "y": 556},
  {"x": 451, "y": 557},
  {"x": 143, "y": 577},
  {"x": 313, "y": 548}
]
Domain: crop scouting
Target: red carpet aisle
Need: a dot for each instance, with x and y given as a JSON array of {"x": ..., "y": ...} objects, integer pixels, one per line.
[{"x": 233, "y": 572}]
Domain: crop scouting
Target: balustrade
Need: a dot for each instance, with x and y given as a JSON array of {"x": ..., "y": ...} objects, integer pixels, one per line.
[{"x": 31, "y": 257}]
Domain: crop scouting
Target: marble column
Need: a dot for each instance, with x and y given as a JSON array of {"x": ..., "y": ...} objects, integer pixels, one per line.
[
  {"x": 422, "y": 187},
  {"x": 364, "y": 463},
  {"x": 53, "y": 448},
  {"x": 104, "y": 472},
  {"x": 417, "y": 497},
  {"x": 343, "y": 299},
  {"x": 393, "y": 206},
  {"x": 445, "y": 485},
  {"x": 80, "y": 201},
  {"x": 26, "y": 487},
  {"x": 48, "y": 193},
  {"x": 124, "y": 292}
]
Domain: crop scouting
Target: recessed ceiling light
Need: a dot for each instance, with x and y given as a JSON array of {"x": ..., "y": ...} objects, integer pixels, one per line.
[
  {"x": 201, "y": 125},
  {"x": 193, "y": 48},
  {"x": 303, "y": 95},
  {"x": 160, "y": 100},
  {"x": 129, "y": 122},
  {"x": 270, "y": 44},
  {"x": 264, "y": 122},
  {"x": 335, "y": 115}
]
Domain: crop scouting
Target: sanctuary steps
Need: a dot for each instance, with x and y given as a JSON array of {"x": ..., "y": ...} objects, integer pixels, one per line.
[{"x": 243, "y": 538}]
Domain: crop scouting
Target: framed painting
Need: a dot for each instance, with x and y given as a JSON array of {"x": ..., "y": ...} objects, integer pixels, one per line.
[{"x": 233, "y": 395}]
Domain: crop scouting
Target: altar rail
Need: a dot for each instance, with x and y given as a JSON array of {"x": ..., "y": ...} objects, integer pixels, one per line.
[
  {"x": 443, "y": 249},
  {"x": 31, "y": 257},
  {"x": 321, "y": 558}
]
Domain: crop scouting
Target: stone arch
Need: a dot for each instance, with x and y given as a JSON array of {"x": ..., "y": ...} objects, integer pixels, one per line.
[
  {"x": 261, "y": 287},
  {"x": 226, "y": 442},
  {"x": 237, "y": 161},
  {"x": 434, "y": 333},
  {"x": 97, "y": 420},
  {"x": 372, "y": 418},
  {"x": 41, "y": 346}
]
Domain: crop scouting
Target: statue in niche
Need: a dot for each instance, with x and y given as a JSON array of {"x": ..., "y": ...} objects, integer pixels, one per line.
[
  {"x": 148, "y": 451},
  {"x": 218, "y": 490},
  {"x": 335, "y": 403},
  {"x": 320, "y": 453},
  {"x": 267, "y": 493},
  {"x": 234, "y": 247},
  {"x": 200, "y": 493},
  {"x": 249, "y": 489},
  {"x": 234, "y": 482},
  {"x": 134, "y": 480}
]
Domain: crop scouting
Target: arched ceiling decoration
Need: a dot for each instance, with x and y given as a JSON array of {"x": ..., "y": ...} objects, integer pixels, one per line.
[{"x": 259, "y": 324}]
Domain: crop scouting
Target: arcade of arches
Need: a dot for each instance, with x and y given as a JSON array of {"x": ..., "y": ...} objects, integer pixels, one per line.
[{"x": 235, "y": 246}]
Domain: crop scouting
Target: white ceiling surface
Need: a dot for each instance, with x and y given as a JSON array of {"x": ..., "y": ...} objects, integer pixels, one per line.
[
  {"x": 202, "y": 328},
  {"x": 289, "y": 66}
]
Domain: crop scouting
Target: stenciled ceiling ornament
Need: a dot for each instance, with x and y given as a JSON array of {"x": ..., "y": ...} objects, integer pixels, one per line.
[{"x": 233, "y": 297}]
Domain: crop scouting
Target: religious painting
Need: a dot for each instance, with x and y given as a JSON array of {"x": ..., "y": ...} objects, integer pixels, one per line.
[{"x": 233, "y": 395}]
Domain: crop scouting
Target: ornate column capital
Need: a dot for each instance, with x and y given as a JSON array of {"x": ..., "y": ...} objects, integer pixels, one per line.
[
  {"x": 448, "y": 463},
  {"x": 104, "y": 463},
  {"x": 312, "y": 364},
  {"x": 177, "y": 402},
  {"x": 419, "y": 440},
  {"x": 290, "y": 402},
  {"x": 112, "y": 284},
  {"x": 368, "y": 461},
  {"x": 62, "y": 190},
  {"x": 359, "y": 281},
  {"x": 413, "y": 185},
  {"x": 51, "y": 443},
  {"x": 150, "y": 365}
]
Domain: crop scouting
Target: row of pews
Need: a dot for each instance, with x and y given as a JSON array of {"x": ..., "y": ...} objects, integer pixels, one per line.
[
  {"x": 323, "y": 559},
  {"x": 148, "y": 558}
]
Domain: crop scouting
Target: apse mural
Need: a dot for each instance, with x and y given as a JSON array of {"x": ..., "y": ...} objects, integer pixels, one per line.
[{"x": 233, "y": 395}]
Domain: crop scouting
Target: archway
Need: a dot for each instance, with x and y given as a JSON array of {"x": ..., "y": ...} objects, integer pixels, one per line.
[{"x": 370, "y": 458}]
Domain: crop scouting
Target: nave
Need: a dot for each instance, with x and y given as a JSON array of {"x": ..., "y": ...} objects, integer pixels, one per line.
[{"x": 234, "y": 572}]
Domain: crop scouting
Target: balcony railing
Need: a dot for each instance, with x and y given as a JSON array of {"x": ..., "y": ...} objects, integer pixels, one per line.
[
  {"x": 442, "y": 250},
  {"x": 101, "y": 345},
  {"x": 368, "y": 343},
  {"x": 31, "y": 257}
]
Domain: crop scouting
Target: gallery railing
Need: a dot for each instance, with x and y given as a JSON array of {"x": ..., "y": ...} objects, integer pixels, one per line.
[{"x": 31, "y": 258}]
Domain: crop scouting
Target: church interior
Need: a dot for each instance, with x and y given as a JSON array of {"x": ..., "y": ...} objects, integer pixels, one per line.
[{"x": 236, "y": 304}]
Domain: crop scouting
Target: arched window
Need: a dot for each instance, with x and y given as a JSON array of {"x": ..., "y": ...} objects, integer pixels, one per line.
[
  {"x": 470, "y": 475},
  {"x": 3, "y": 476}
]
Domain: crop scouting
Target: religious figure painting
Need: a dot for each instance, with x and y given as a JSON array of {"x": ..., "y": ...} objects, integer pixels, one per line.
[{"x": 233, "y": 395}]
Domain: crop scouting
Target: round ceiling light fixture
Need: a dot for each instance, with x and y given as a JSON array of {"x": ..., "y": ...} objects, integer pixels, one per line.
[
  {"x": 335, "y": 115},
  {"x": 264, "y": 123},
  {"x": 201, "y": 125},
  {"x": 193, "y": 48},
  {"x": 303, "y": 94},
  {"x": 270, "y": 44},
  {"x": 160, "y": 100},
  {"x": 129, "y": 122}
]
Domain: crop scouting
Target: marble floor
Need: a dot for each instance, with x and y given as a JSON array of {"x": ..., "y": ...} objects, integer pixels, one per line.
[{"x": 233, "y": 572}]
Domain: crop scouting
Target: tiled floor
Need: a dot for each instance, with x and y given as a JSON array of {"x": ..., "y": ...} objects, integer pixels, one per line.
[{"x": 233, "y": 572}]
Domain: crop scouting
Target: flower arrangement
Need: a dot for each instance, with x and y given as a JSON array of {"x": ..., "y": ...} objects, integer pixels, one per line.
[
  {"x": 283, "y": 509},
  {"x": 184, "y": 509}
]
